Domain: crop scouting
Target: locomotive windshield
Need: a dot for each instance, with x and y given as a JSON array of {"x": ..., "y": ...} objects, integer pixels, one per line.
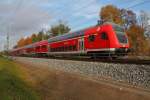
[{"x": 120, "y": 34}]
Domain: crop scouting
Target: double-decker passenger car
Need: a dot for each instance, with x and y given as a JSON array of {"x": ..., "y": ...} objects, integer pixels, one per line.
[
  {"x": 102, "y": 40},
  {"x": 108, "y": 39}
]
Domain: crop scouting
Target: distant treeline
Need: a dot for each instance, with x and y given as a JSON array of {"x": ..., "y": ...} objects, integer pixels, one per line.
[{"x": 59, "y": 29}]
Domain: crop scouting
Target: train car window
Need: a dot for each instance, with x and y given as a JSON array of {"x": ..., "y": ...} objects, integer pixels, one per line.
[
  {"x": 70, "y": 48},
  {"x": 59, "y": 48},
  {"x": 44, "y": 46},
  {"x": 62, "y": 48},
  {"x": 74, "y": 47},
  {"x": 54, "y": 49},
  {"x": 118, "y": 28},
  {"x": 91, "y": 38},
  {"x": 38, "y": 47},
  {"x": 65, "y": 48},
  {"x": 104, "y": 36}
]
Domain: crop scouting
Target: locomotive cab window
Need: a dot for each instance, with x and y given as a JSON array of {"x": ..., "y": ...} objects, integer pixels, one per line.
[
  {"x": 91, "y": 38},
  {"x": 120, "y": 33},
  {"x": 104, "y": 36},
  {"x": 44, "y": 46}
]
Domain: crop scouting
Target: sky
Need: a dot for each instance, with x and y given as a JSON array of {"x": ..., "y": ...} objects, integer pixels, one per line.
[{"x": 21, "y": 18}]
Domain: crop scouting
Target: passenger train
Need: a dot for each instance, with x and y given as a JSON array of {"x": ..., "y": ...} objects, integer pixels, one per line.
[{"x": 107, "y": 39}]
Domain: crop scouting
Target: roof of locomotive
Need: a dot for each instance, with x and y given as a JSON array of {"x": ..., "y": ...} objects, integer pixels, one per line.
[
  {"x": 66, "y": 36},
  {"x": 43, "y": 42},
  {"x": 24, "y": 47},
  {"x": 31, "y": 45}
]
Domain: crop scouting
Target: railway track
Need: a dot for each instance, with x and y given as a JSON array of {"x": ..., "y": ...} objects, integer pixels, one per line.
[{"x": 104, "y": 60}]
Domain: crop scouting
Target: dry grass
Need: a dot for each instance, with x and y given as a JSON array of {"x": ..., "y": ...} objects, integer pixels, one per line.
[{"x": 12, "y": 86}]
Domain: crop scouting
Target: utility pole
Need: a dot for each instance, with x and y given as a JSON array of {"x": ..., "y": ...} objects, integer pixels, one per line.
[
  {"x": 43, "y": 33},
  {"x": 7, "y": 45},
  {"x": 7, "y": 39}
]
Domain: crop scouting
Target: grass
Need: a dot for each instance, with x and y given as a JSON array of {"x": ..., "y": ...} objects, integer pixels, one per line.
[{"x": 12, "y": 86}]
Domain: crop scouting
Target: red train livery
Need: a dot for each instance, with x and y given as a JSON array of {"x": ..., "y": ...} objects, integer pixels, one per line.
[{"x": 108, "y": 39}]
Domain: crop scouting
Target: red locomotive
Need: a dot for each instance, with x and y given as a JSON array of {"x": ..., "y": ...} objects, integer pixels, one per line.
[{"x": 107, "y": 39}]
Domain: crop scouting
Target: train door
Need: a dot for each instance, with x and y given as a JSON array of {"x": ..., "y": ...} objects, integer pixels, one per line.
[
  {"x": 81, "y": 44},
  {"x": 49, "y": 48}
]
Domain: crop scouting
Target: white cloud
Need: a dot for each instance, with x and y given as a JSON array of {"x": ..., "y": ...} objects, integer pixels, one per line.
[
  {"x": 20, "y": 19},
  {"x": 30, "y": 19},
  {"x": 26, "y": 19}
]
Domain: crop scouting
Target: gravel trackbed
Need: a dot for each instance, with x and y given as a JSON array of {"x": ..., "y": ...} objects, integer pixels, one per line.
[{"x": 136, "y": 75}]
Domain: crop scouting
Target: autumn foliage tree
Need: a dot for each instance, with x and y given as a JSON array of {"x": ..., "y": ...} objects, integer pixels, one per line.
[
  {"x": 111, "y": 13},
  {"x": 24, "y": 41},
  {"x": 21, "y": 43},
  {"x": 135, "y": 34},
  {"x": 32, "y": 39}
]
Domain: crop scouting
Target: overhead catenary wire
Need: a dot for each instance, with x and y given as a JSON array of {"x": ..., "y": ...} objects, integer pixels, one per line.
[
  {"x": 138, "y": 4},
  {"x": 69, "y": 16}
]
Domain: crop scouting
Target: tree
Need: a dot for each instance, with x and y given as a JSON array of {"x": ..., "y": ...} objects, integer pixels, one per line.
[
  {"x": 144, "y": 22},
  {"x": 46, "y": 36},
  {"x": 21, "y": 43},
  {"x": 137, "y": 39},
  {"x": 34, "y": 38},
  {"x": 143, "y": 19},
  {"x": 40, "y": 36},
  {"x": 24, "y": 41},
  {"x": 111, "y": 13},
  {"x": 128, "y": 17},
  {"x": 28, "y": 41},
  {"x": 61, "y": 28}
]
